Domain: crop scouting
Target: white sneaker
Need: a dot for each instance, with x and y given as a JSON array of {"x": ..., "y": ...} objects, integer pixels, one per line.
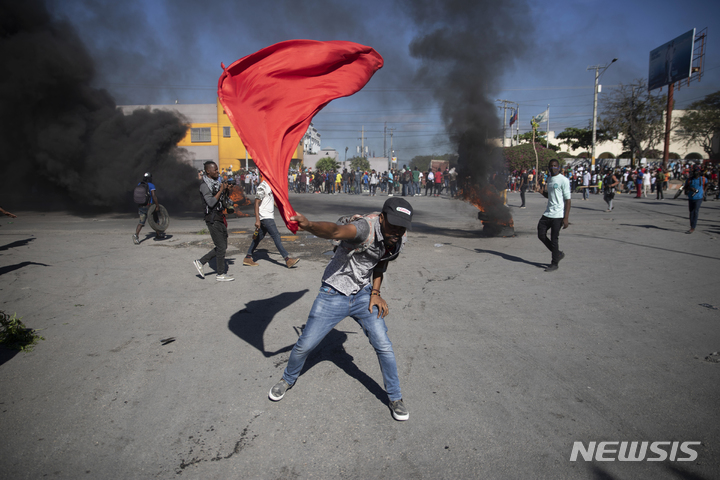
[
  {"x": 199, "y": 267},
  {"x": 225, "y": 277}
]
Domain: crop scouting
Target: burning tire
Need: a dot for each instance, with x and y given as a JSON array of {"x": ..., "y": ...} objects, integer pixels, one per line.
[{"x": 158, "y": 218}]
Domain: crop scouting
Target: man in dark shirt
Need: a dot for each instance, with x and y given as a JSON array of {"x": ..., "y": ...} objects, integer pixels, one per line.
[
  {"x": 523, "y": 186},
  {"x": 351, "y": 287},
  {"x": 211, "y": 191},
  {"x": 143, "y": 209}
]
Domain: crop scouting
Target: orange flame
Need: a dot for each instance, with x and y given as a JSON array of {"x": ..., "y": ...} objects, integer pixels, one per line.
[
  {"x": 486, "y": 199},
  {"x": 238, "y": 197}
]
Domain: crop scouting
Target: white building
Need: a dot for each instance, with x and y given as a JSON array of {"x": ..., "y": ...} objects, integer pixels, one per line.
[
  {"x": 311, "y": 159},
  {"x": 615, "y": 148},
  {"x": 311, "y": 141}
]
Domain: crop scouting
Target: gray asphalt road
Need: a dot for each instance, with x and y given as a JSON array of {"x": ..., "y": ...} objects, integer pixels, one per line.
[{"x": 502, "y": 365}]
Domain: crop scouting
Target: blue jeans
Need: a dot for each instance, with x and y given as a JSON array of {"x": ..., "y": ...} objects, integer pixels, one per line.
[
  {"x": 694, "y": 206},
  {"x": 329, "y": 309},
  {"x": 268, "y": 226}
]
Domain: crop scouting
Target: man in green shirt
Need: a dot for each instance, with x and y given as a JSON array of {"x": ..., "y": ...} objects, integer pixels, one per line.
[{"x": 557, "y": 213}]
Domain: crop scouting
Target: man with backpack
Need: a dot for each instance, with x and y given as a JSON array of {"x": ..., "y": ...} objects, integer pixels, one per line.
[
  {"x": 351, "y": 287},
  {"x": 144, "y": 196}
]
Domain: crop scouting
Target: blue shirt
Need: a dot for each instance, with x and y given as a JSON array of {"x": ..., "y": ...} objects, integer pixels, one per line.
[{"x": 697, "y": 184}]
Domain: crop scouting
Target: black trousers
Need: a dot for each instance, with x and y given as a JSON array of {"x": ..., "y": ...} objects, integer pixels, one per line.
[
  {"x": 522, "y": 196},
  {"x": 219, "y": 234},
  {"x": 552, "y": 244}
]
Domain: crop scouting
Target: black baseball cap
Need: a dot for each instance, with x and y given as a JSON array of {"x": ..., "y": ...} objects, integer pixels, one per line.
[{"x": 398, "y": 212}]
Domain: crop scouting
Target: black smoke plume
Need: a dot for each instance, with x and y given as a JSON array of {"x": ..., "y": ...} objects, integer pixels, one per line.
[
  {"x": 464, "y": 49},
  {"x": 64, "y": 143}
]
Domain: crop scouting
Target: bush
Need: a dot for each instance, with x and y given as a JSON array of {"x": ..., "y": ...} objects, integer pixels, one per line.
[
  {"x": 693, "y": 156},
  {"x": 606, "y": 155},
  {"x": 523, "y": 156}
]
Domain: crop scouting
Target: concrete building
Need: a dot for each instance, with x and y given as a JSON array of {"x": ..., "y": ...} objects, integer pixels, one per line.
[
  {"x": 615, "y": 148},
  {"x": 311, "y": 159},
  {"x": 311, "y": 141},
  {"x": 210, "y": 136}
]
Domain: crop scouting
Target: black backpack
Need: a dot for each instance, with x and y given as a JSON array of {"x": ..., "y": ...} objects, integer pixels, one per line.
[{"x": 141, "y": 194}]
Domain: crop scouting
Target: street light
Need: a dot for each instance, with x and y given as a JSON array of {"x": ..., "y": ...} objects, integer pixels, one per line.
[{"x": 599, "y": 70}]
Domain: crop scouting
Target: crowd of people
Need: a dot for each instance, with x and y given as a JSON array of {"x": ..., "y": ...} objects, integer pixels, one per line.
[
  {"x": 404, "y": 182},
  {"x": 640, "y": 181}
]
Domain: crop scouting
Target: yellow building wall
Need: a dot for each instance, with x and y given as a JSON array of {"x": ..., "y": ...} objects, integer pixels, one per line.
[
  {"x": 231, "y": 150},
  {"x": 185, "y": 142}
]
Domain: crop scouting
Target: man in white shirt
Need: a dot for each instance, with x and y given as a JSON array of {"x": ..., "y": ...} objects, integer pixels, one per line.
[
  {"x": 265, "y": 224},
  {"x": 557, "y": 213},
  {"x": 586, "y": 185}
]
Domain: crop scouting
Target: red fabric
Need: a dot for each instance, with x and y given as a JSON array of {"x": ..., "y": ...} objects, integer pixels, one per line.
[{"x": 272, "y": 95}]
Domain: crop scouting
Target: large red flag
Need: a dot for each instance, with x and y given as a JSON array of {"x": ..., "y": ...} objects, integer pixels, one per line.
[{"x": 272, "y": 95}]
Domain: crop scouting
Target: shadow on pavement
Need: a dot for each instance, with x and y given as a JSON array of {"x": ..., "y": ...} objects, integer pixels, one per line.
[
  {"x": 648, "y": 227},
  {"x": 250, "y": 323},
  {"x": 263, "y": 254},
  {"x": 595, "y": 237},
  {"x": 512, "y": 258},
  {"x": 331, "y": 350},
  {"x": 18, "y": 243},
  {"x": 6, "y": 354},
  {"x": 10, "y": 268},
  {"x": 418, "y": 227}
]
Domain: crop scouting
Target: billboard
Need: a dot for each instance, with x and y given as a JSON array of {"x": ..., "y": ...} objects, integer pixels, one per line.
[{"x": 671, "y": 62}]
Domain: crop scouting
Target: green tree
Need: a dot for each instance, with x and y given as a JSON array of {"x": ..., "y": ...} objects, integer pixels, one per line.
[
  {"x": 359, "y": 162},
  {"x": 635, "y": 115},
  {"x": 701, "y": 123},
  {"x": 326, "y": 164},
  {"x": 581, "y": 138}
]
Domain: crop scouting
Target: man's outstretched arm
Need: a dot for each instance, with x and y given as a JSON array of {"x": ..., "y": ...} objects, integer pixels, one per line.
[{"x": 327, "y": 230}]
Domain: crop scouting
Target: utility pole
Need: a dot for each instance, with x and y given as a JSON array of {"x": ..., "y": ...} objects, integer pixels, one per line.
[
  {"x": 362, "y": 141},
  {"x": 597, "y": 69},
  {"x": 505, "y": 107},
  {"x": 392, "y": 130},
  {"x": 547, "y": 128},
  {"x": 385, "y": 141},
  {"x": 668, "y": 124}
]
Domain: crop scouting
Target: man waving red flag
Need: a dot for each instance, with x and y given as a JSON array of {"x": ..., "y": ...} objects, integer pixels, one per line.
[{"x": 272, "y": 95}]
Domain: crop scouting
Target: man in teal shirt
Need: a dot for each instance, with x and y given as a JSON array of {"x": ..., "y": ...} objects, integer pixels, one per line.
[{"x": 557, "y": 213}]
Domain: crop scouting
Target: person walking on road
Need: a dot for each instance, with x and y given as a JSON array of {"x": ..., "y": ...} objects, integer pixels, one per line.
[
  {"x": 586, "y": 184},
  {"x": 150, "y": 199},
  {"x": 557, "y": 213},
  {"x": 265, "y": 225},
  {"x": 609, "y": 183},
  {"x": 695, "y": 190},
  {"x": 659, "y": 182},
  {"x": 523, "y": 186},
  {"x": 351, "y": 287},
  {"x": 212, "y": 191}
]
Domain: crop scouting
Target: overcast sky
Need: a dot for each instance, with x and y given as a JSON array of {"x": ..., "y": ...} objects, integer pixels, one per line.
[{"x": 162, "y": 51}]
